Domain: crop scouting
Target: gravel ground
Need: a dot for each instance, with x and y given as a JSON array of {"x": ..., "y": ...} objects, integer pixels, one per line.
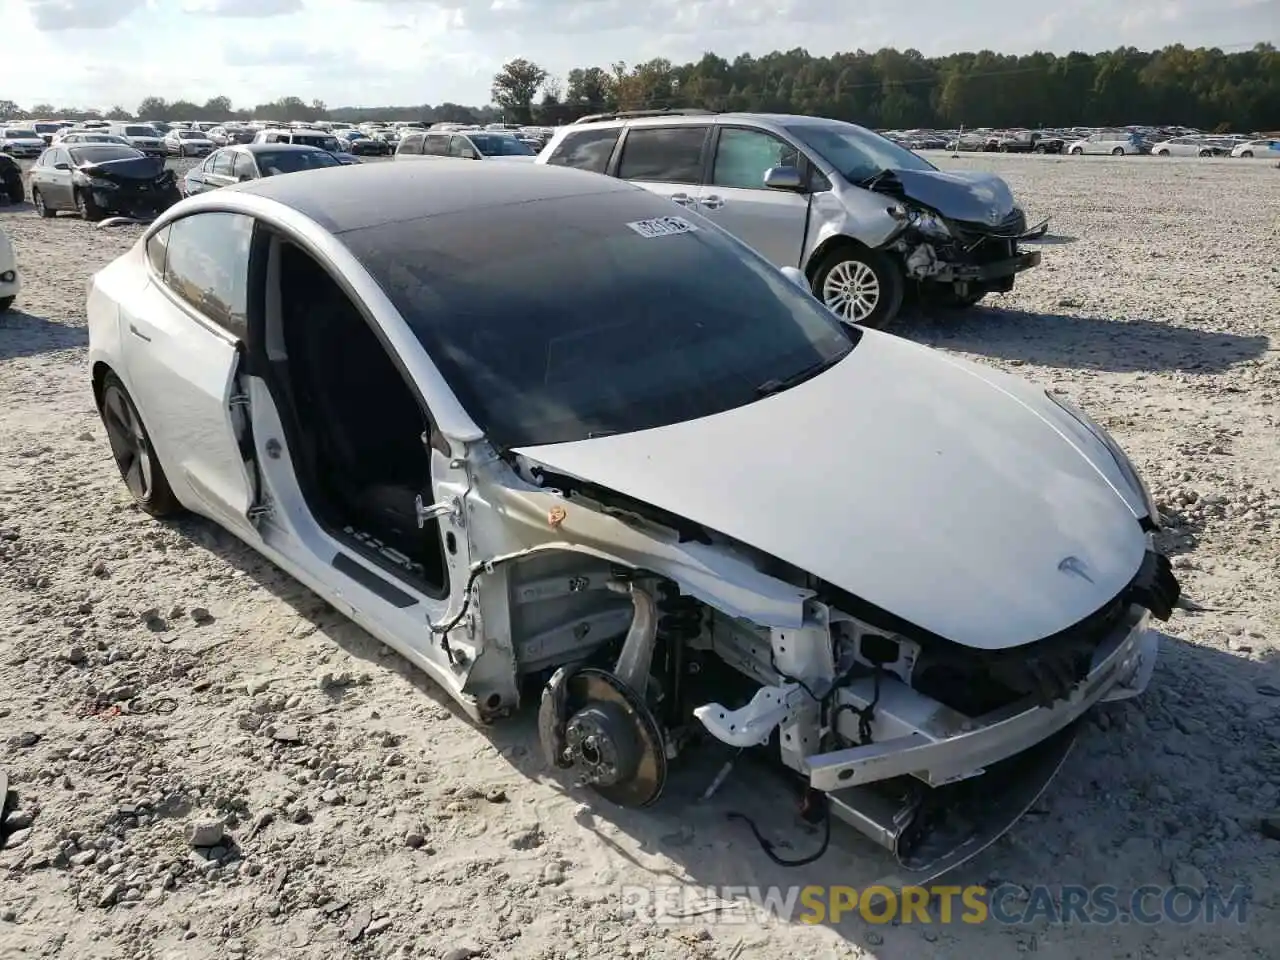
[{"x": 168, "y": 692}]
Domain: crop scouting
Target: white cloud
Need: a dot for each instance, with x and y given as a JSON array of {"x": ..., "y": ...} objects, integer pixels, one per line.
[
  {"x": 102, "y": 52},
  {"x": 54, "y": 15},
  {"x": 248, "y": 9}
]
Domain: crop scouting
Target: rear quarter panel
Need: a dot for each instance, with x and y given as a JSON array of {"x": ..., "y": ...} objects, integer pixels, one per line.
[{"x": 117, "y": 282}]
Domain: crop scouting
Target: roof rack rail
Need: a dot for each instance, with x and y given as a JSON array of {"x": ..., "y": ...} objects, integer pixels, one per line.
[{"x": 635, "y": 114}]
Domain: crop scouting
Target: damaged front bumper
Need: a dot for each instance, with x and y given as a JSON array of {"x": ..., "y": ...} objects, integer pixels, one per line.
[
  {"x": 927, "y": 740},
  {"x": 968, "y": 256}
]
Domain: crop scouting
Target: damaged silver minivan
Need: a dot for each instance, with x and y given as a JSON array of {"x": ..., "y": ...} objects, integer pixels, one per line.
[{"x": 861, "y": 216}]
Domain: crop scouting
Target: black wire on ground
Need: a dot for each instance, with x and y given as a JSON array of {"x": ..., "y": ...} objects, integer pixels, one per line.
[{"x": 814, "y": 797}]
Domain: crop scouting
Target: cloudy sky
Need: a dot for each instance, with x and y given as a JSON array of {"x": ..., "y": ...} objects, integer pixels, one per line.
[{"x": 376, "y": 52}]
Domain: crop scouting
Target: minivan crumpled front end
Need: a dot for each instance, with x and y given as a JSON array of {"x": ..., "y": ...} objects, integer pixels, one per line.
[
  {"x": 913, "y": 626},
  {"x": 960, "y": 229}
]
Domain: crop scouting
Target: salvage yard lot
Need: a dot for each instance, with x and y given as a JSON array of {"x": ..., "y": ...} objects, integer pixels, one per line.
[{"x": 370, "y": 820}]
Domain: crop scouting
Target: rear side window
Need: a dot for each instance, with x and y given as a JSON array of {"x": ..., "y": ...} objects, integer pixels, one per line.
[
  {"x": 586, "y": 150},
  {"x": 411, "y": 144},
  {"x": 663, "y": 154},
  {"x": 208, "y": 266},
  {"x": 436, "y": 146},
  {"x": 243, "y": 165},
  {"x": 222, "y": 163}
]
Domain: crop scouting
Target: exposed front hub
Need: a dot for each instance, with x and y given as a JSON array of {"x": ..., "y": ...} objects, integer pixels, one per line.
[
  {"x": 601, "y": 741},
  {"x": 611, "y": 739}
]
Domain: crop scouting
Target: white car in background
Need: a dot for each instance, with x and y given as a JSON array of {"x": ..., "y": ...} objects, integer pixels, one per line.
[
  {"x": 553, "y": 475},
  {"x": 21, "y": 142},
  {"x": 10, "y": 282},
  {"x": 143, "y": 137},
  {"x": 1185, "y": 147},
  {"x": 1117, "y": 143},
  {"x": 464, "y": 145},
  {"x": 1258, "y": 148},
  {"x": 188, "y": 143}
]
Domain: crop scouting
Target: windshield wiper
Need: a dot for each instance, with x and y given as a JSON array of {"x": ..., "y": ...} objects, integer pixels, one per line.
[{"x": 778, "y": 384}]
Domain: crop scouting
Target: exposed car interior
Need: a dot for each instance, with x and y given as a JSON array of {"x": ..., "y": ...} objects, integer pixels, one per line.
[{"x": 358, "y": 432}]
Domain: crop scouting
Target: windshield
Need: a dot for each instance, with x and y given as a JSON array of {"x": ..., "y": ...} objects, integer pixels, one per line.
[
  {"x": 665, "y": 326},
  {"x": 272, "y": 162},
  {"x": 17, "y": 134},
  {"x": 82, "y": 156},
  {"x": 139, "y": 131},
  {"x": 855, "y": 152},
  {"x": 47, "y": 127},
  {"x": 496, "y": 145}
]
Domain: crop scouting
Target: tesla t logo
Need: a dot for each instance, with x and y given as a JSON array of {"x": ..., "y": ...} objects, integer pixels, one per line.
[{"x": 1074, "y": 566}]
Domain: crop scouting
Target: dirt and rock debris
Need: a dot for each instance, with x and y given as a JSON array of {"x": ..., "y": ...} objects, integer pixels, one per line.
[{"x": 204, "y": 760}]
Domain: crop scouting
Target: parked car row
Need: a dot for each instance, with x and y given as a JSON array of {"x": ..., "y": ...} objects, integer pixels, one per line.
[{"x": 1077, "y": 141}]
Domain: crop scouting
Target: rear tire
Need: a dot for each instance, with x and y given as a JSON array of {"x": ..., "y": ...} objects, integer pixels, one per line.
[
  {"x": 134, "y": 453},
  {"x": 860, "y": 286},
  {"x": 1077, "y": 152},
  {"x": 37, "y": 199},
  {"x": 1206, "y": 153},
  {"x": 1118, "y": 152},
  {"x": 13, "y": 189}
]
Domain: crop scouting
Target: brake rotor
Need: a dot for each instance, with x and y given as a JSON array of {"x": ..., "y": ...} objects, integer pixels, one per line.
[{"x": 613, "y": 740}]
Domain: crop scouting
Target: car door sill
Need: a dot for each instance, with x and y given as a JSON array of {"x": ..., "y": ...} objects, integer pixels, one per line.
[{"x": 375, "y": 584}]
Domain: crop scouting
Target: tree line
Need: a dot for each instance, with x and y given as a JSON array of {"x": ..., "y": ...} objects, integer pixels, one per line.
[
  {"x": 891, "y": 89},
  {"x": 1201, "y": 87},
  {"x": 284, "y": 109}
]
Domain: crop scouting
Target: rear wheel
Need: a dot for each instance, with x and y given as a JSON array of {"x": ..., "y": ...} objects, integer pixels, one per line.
[
  {"x": 1040, "y": 149},
  {"x": 860, "y": 286},
  {"x": 1206, "y": 153},
  {"x": 133, "y": 452},
  {"x": 13, "y": 187},
  {"x": 1077, "y": 151},
  {"x": 1118, "y": 152},
  {"x": 86, "y": 207},
  {"x": 37, "y": 198}
]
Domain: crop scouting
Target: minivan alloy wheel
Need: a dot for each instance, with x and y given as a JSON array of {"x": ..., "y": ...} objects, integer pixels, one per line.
[{"x": 852, "y": 290}]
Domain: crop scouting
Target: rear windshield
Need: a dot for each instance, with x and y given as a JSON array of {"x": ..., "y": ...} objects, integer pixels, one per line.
[
  {"x": 139, "y": 131},
  {"x": 492, "y": 145},
  {"x": 15, "y": 134},
  {"x": 192, "y": 135},
  {"x": 660, "y": 329},
  {"x": 291, "y": 161},
  {"x": 102, "y": 153}
]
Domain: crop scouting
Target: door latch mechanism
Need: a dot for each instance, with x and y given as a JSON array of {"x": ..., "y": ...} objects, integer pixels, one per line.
[{"x": 451, "y": 508}]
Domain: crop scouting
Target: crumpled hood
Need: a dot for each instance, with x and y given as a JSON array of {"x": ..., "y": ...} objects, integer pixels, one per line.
[
  {"x": 945, "y": 493},
  {"x": 972, "y": 196},
  {"x": 126, "y": 169}
]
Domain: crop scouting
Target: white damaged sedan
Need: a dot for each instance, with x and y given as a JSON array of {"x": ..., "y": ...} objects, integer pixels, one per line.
[{"x": 535, "y": 432}]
